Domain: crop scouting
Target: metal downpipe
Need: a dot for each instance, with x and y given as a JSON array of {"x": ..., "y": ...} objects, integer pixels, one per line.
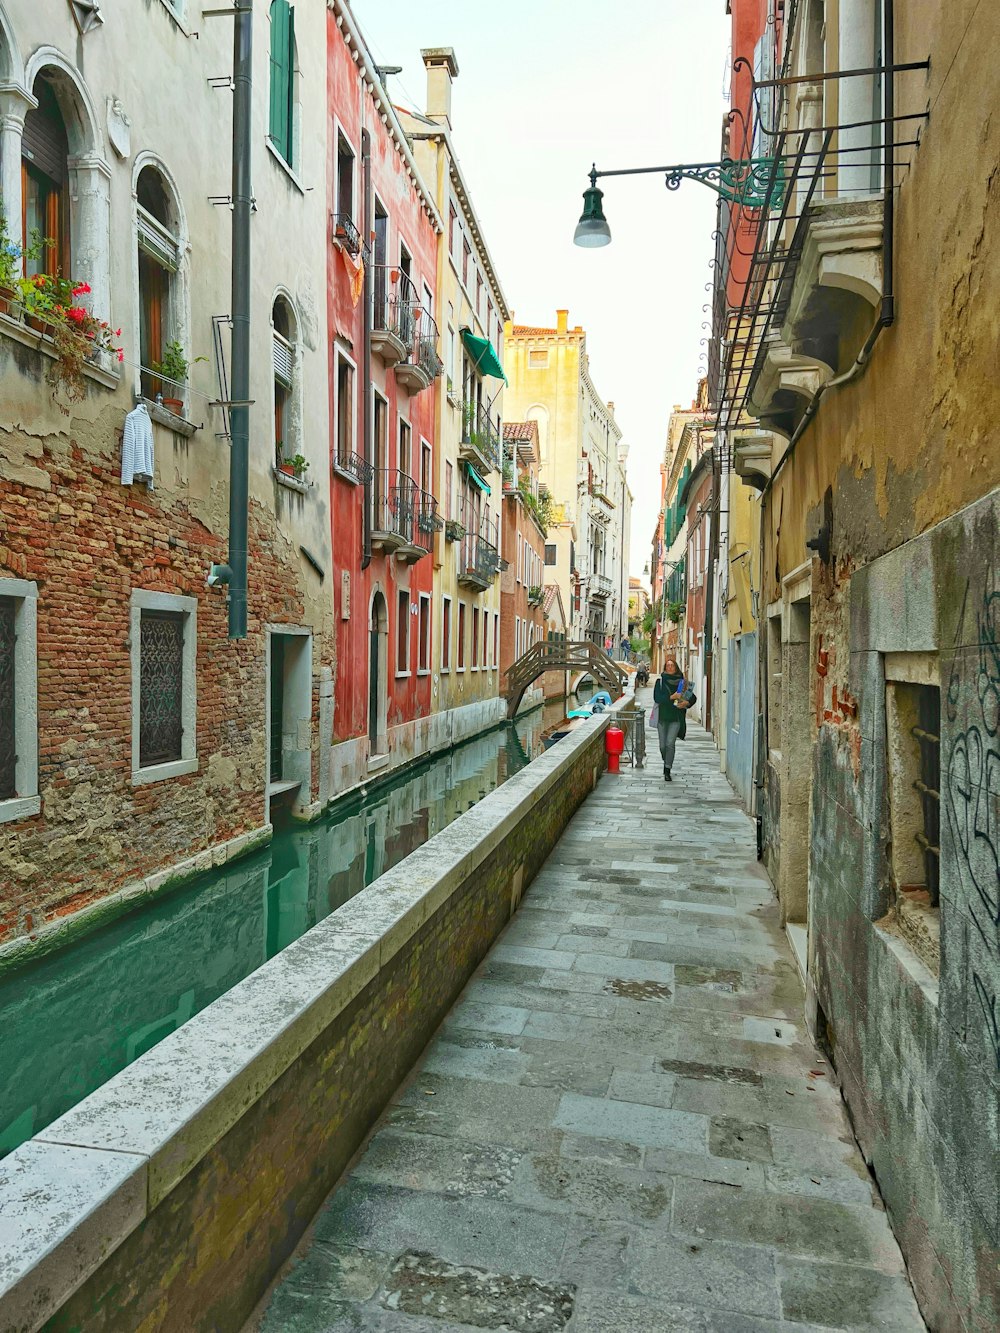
[
  {"x": 239, "y": 459},
  {"x": 367, "y": 412}
]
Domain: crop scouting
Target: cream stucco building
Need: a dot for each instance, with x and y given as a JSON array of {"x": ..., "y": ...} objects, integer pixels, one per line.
[{"x": 583, "y": 462}]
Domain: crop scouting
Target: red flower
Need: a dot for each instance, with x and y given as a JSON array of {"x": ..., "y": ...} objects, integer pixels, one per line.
[
  {"x": 118, "y": 333},
  {"x": 121, "y": 355},
  {"x": 81, "y": 288},
  {"x": 77, "y": 313}
]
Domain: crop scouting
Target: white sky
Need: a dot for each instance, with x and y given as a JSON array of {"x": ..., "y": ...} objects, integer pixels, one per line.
[{"x": 546, "y": 87}]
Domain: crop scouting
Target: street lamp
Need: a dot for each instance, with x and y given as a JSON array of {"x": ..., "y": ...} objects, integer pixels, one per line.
[
  {"x": 592, "y": 231},
  {"x": 753, "y": 182}
]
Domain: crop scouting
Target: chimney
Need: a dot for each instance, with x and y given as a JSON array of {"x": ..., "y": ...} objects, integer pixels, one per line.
[
  {"x": 562, "y": 321},
  {"x": 442, "y": 70}
]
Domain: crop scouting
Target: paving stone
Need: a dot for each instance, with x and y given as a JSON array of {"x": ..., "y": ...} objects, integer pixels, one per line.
[
  {"x": 595, "y": 1188},
  {"x": 649, "y": 1089},
  {"x": 487, "y": 1233},
  {"x": 846, "y": 1297},
  {"x": 812, "y": 1228},
  {"x": 483, "y": 1061},
  {"x": 488, "y": 1017},
  {"x": 675, "y": 1271},
  {"x": 736, "y": 1137},
  {"x": 422, "y": 1284},
  {"x": 446, "y": 1166},
  {"x": 641, "y": 1125}
]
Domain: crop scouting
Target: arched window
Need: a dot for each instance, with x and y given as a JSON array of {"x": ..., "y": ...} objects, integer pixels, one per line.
[
  {"x": 283, "y": 80},
  {"x": 287, "y": 408},
  {"x": 159, "y": 257},
  {"x": 45, "y": 180}
]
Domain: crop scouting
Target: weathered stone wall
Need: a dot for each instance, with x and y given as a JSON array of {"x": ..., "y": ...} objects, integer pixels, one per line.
[
  {"x": 919, "y": 1054},
  {"x": 223, "y": 1214}
]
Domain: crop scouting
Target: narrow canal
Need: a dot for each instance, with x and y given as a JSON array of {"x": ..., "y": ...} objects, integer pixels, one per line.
[{"x": 71, "y": 1021}]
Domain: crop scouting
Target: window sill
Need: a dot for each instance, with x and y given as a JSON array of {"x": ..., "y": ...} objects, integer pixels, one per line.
[
  {"x": 177, "y": 21},
  {"x": 292, "y": 483},
  {"x": 285, "y": 166},
  {"x": 403, "y": 675},
  {"x": 19, "y": 807},
  {"x": 164, "y": 417},
  {"x": 20, "y": 333},
  {"x": 446, "y": 671},
  {"x": 178, "y": 768},
  {"x": 377, "y": 761},
  {"x": 344, "y": 475}
]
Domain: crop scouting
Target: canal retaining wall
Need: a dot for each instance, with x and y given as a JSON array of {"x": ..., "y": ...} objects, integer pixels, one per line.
[{"x": 169, "y": 1198}]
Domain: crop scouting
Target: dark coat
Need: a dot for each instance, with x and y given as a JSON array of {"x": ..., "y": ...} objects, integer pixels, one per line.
[{"x": 664, "y": 687}]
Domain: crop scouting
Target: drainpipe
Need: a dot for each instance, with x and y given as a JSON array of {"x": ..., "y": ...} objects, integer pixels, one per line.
[
  {"x": 367, "y": 414},
  {"x": 239, "y": 458},
  {"x": 713, "y": 560},
  {"x": 887, "y": 304}
]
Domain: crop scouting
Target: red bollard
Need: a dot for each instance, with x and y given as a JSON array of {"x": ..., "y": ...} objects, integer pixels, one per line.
[{"x": 614, "y": 744}]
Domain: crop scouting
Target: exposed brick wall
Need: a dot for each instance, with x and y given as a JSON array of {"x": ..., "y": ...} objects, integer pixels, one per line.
[
  {"x": 88, "y": 542},
  {"x": 206, "y": 1255}
]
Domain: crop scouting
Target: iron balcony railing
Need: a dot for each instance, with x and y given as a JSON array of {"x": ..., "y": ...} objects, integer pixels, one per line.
[
  {"x": 481, "y": 552},
  {"x": 426, "y": 351},
  {"x": 345, "y": 233},
  {"x": 401, "y": 510},
  {"x": 479, "y": 431},
  {"x": 395, "y": 306}
]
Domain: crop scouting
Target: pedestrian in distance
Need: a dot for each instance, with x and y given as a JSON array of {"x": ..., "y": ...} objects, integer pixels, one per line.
[{"x": 671, "y": 700}]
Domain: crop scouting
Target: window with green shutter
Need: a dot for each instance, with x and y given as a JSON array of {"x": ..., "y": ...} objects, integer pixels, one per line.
[{"x": 282, "y": 76}]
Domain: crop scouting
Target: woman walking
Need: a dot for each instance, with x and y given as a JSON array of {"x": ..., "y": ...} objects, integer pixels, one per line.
[{"x": 672, "y": 699}]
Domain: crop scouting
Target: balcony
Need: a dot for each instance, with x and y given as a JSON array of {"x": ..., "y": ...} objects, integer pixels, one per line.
[
  {"x": 423, "y": 365},
  {"x": 480, "y": 562},
  {"x": 480, "y": 443},
  {"x": 399, "y": 515},
  {"x": 753, "y": 457},
  {"x": 601, "y": 508},
  {"x": 345, "y": 234},
  {"x": 394, "y": 314},
  {"x": 599, "y": 587}
]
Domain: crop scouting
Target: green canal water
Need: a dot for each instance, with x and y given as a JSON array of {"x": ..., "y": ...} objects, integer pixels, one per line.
[{"x": 71, "y": 1021}]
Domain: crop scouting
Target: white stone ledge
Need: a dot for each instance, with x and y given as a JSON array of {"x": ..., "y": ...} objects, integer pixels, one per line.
[{"x": 140, "y": 1133}]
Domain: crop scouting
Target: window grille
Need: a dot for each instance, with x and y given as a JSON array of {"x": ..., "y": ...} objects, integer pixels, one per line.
[
  {"x": 8, "y": 756},
  {"x": 161, "y": 674},
  {"x": 927, "y": 733}
]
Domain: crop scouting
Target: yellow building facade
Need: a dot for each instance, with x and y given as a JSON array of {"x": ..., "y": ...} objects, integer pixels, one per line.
[{"x": 582, "y": 467}]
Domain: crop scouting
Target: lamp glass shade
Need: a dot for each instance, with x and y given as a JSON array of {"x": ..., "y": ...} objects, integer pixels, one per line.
[{"x": 592, "y": 230}]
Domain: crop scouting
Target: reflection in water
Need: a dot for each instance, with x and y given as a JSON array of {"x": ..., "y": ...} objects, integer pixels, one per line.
[{"x": 73, "y": 1020}]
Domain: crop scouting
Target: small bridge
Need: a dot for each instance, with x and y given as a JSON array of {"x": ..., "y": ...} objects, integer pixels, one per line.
[{"x": 553, "y": 655}]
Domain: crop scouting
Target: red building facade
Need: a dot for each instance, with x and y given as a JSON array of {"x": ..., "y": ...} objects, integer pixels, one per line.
[{"x": 384, "y": 369}]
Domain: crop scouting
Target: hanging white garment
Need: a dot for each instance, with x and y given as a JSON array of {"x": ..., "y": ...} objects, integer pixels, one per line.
[{"x": 137, "y": 447}]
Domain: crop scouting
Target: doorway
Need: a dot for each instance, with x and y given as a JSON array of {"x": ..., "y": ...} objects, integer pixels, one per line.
[
  {"x": 797, "y": 761},
  {"x": 289, "y": 714},
  {"x": 378, "y": 639}
]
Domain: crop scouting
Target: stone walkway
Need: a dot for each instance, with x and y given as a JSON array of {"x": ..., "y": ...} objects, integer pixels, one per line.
[{"x": 622, "y": 1124}]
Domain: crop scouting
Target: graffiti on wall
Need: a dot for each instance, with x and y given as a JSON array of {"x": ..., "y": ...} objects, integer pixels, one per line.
[{"x": 972, "y": 787}]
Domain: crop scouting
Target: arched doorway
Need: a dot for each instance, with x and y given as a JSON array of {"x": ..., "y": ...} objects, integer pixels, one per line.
[{"x": 378, "y": 637}]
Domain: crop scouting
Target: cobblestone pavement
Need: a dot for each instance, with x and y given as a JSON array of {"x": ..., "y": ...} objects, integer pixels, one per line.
[{"x": 622, "y": 1125}]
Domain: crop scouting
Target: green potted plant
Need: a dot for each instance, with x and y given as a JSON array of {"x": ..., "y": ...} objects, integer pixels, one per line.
[
  {"x": 173, "y": 370},
  {"x": 13, "y": 257}
]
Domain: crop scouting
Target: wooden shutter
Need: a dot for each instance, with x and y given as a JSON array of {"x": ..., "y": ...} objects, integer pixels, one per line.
[{"x": 282, "y": 50}]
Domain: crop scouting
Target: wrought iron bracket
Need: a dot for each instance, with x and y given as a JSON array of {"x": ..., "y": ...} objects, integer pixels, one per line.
[{"x": 755, "y": 182}]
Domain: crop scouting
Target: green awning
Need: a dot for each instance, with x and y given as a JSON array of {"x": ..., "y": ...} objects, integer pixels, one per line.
[
  {"x": 476, "y": 479},
  {"x": 483, "y": 356}
]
